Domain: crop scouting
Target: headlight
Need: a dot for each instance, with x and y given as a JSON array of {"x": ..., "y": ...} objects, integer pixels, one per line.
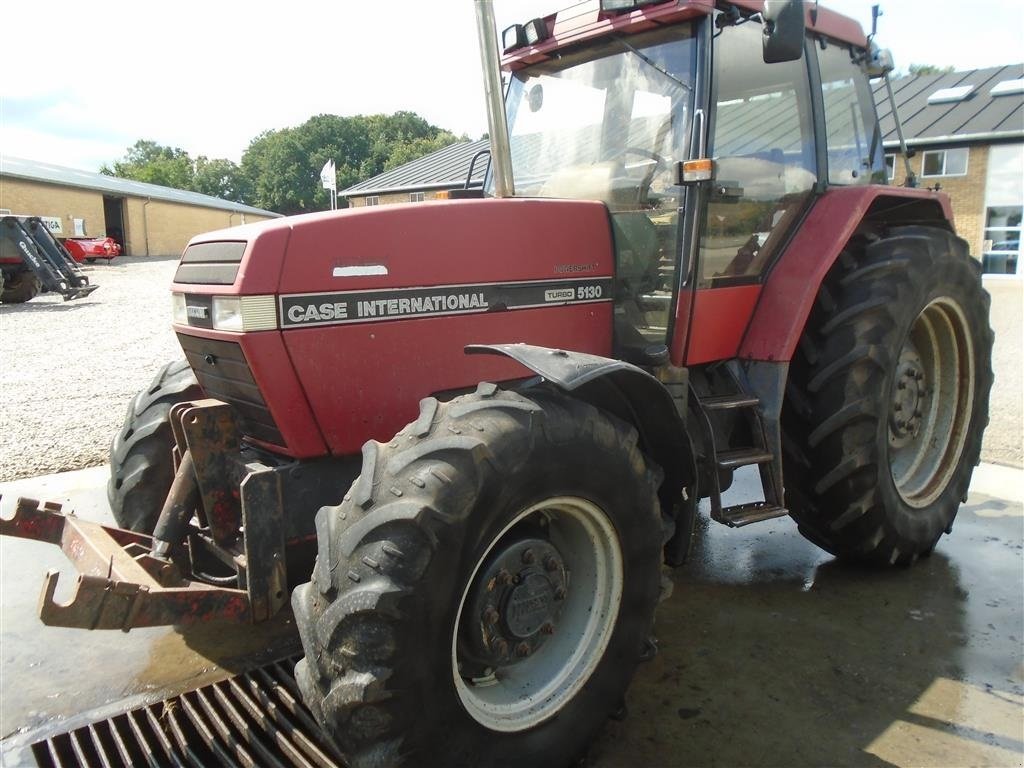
[
  {"x": 244, "y": 313},
  {"x": 178, "y": 308},
  {"x": 227, "y": 313}
]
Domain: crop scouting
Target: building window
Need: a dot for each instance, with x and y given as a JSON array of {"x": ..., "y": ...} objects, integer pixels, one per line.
[
  {"x": 890, "y": 167},
  {"x": 415, "y": 197},
  {"x": 945, "y": 162},
  {"x": 373, "y": 200}
]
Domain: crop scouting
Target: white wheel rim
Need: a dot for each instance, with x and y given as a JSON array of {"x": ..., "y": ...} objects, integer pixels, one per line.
[
  {"x": 525, "y": 694},
  {"x": 922, "y": 462}
]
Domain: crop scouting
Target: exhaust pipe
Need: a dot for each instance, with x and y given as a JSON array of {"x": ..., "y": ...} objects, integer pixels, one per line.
[{"x": 501, "y": 153}]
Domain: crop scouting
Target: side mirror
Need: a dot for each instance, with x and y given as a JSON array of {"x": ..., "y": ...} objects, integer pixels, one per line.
[{"x": 783, "y": 30}]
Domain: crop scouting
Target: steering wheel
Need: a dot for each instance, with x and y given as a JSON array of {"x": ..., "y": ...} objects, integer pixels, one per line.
[{"x": 660, "y": 161}]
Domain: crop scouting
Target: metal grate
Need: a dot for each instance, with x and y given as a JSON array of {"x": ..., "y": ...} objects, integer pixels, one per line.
[
  {"x": 253, "y": 720},
  {"x": 224, "y": 373}
]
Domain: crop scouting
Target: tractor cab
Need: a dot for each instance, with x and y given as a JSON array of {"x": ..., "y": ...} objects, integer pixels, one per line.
[{"x": 629, "y": 110}]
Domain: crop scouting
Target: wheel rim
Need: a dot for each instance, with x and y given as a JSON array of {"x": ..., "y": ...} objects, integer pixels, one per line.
[
  {"x": 930, "y": 404},
  {"x": 556, "y": 648}
]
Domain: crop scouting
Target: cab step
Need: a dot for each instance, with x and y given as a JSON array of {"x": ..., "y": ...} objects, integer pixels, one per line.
[
  {"x": 743, "y": 457},
  {"x": 745, "y": 514}
]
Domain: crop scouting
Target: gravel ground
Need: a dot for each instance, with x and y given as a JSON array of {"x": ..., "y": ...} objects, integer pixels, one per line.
[{"x": 68, "y": 369}]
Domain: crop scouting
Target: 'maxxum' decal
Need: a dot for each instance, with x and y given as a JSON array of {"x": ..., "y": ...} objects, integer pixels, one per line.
[{"x": 308, "y": 309}]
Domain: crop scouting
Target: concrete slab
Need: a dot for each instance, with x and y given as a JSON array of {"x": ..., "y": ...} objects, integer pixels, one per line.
[{"x": 771, "y": 652}]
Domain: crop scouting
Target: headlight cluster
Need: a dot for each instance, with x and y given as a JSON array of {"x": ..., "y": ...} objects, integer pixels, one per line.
[{"x": 228, "y": 313}]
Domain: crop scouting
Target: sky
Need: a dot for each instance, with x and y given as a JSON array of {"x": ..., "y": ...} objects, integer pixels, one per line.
[{"x": 210, "y": 76}]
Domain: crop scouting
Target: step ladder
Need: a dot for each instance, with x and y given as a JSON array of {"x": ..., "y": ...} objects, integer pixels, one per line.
[
  {"x": 759, "y": 455},
  {"x": 45, "y": 256}
]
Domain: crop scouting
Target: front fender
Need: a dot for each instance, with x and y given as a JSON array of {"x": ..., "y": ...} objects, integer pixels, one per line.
[{"x": 627, "y": 392}]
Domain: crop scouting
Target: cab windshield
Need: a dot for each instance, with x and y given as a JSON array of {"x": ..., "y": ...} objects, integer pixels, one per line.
[{"x": 609, "y": 123}]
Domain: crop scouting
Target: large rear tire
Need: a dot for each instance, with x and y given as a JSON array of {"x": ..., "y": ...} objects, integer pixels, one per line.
[
  {"x": 19, "y": 288},
  {"x": 887, "y": 397},
  {"x": 441, "y": 626},
  {"x": 141, "y": 460}
]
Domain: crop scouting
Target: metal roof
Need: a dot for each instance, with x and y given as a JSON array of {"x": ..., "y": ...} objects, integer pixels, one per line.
[
  {"x": 976, "y": 116},
  {"x": 444, "y": 169},
  {"x": 71, "y": 177}
]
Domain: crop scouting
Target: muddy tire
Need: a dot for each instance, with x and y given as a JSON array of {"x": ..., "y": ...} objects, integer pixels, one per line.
[
  {"x": 887, "y": 397},
  {"x": 141, "y": 462},
  {"x": 439, "y": 626},
  {"x": 19, "y": 288}
]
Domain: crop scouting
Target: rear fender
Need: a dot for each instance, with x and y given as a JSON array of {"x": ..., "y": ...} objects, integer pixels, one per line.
[{"x": 625, "y": 391}]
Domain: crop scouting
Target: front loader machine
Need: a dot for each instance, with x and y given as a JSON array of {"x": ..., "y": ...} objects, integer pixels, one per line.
[
  {"x": 694, "y": 267},
  {"x": 32, "y": 261}
]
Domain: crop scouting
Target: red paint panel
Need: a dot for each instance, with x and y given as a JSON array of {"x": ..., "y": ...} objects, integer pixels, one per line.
[
  {"x": 260, "y": 268},
  {"x": 273, "y": 372},
  {"x": 720, "y": 316},
  {"x": 366, "y": 381},
  {"x": 449, "y": 242},
  {"x": 793, "y": 283}
]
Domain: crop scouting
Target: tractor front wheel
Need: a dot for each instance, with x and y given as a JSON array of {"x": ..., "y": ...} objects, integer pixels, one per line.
[
  {"x": 19, "y": 288},
  {"x": 485, "y": 590},
  {"x": 888, "y": 397},
  {"x": 141, "y": 458}
]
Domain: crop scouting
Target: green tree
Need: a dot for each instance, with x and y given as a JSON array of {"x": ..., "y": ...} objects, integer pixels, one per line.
[
  {"x": 154, "y": 163},
  {"x": 283, "y": 166},
  {"x": 929, "y": 69},
  {"x": 221, "y": 178}
]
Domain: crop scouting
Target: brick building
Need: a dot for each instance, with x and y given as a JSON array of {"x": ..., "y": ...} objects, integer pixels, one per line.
[
  {"x": 149, "y": 220},
  {"x": 967, "y": 132}
]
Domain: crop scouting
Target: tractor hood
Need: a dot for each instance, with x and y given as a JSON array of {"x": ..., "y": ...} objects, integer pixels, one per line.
[{"x": 314, "y": 325}]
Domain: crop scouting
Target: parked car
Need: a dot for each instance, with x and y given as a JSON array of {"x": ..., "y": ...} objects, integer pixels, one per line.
[{"x": 91, "y": 248}]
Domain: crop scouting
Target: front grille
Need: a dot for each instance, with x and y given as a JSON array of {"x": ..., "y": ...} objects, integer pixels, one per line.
[
  {"x": 224, "y": 374},
  {"x": 253, "y": 719},
  {"x": 210, "y": 263}
]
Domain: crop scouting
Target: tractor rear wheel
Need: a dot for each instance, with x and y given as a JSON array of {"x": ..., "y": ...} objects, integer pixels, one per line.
[
  {"x": 887, "y": 397},
  {"x": 483, "y": 593},
  {"x": 141, "y": 460},
  {"x": 20, "y": 287}
]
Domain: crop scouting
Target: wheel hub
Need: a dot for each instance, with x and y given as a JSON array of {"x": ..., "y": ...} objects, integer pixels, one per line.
[
  {"x": 518, "y": 597},
  {"x": 908, "y": 398}
]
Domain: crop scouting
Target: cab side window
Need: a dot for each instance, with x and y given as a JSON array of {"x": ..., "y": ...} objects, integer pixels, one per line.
[
  {"x": 763, "y": 151},
  {"x": 854, "y": 142}
]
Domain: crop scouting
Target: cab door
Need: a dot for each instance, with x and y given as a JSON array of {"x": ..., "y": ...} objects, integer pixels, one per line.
[{"x": 761, "y": 136}]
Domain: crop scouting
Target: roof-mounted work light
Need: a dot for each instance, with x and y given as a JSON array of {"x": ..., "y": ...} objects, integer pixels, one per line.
[
  {"x": 513, "y": 37},
  {"x": 536, "y": 31}
]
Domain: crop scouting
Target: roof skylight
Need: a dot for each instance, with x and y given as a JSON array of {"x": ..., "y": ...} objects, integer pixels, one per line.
[
  {"x": 950, "y": 95},
  {"x": 1007, "y": 87}
]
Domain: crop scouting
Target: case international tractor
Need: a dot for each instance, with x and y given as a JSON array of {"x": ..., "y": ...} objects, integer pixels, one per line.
[{"x": 462, "y": 437}]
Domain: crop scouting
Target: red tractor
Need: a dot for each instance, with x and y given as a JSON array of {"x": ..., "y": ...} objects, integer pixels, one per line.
[{"x": 465, "y": 435}]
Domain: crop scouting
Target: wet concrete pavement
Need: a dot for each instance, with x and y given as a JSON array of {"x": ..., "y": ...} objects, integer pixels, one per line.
[{"x": 771, "y": 653}]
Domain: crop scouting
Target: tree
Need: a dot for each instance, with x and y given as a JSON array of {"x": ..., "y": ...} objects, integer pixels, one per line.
[
  {"x": 283, "y": 166},
  {"x": 929, "y": 69},
  {"x": 154, "y": 163},
  {"x": 221, "y": 178}
]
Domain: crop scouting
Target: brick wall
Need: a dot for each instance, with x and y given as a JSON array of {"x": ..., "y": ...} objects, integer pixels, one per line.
[
  {"x": 158, "y": 229},
  {"x": 31, "y": 198},
  {"x": 398, "y": 197},
  {"x": 163, "y": 228},
  {"x": 967, "y": 193}
]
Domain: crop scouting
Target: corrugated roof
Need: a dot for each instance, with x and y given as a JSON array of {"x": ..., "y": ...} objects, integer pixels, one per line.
[
  {"x": 58, "y": 174},
  {"x": 445, "y": 168},
  {"x": 979, "y": 114}
]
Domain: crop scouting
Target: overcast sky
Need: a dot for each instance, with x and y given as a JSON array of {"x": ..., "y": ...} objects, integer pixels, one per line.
[{"x": 82, "y": 81}]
